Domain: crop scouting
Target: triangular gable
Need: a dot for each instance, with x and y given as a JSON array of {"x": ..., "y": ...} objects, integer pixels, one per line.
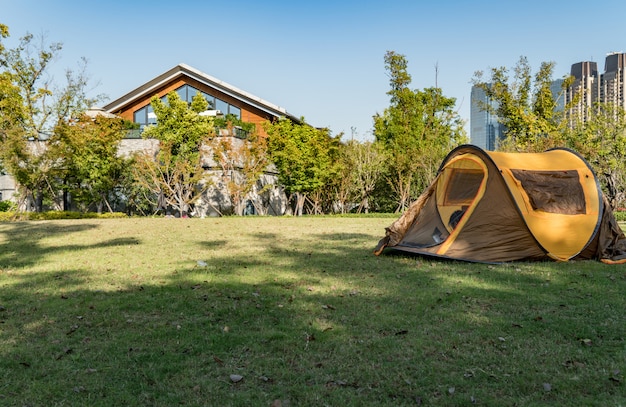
[{"x": 148, "y": 89}]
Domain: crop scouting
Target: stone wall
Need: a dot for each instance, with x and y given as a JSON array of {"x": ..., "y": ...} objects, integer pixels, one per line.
[{"x": 266, "y": 197}]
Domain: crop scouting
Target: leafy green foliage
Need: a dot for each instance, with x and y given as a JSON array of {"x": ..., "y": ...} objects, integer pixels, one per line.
[
  {"x": 32, "y": 106},
  {"x": 304, "y": 156},
  {"x": 5, "y": 206},
  {"x": 601, "y": 139},
  {"x": 525, "y": 106},
  {"x": 91, "y": 167},
  {"x": 363, "y": 166},
  {"x": 179, "y": 127},
  {"x": 416, "y": 131},
  {"x": 176, "y": 174},
  {"x": 231, "y": 121}
]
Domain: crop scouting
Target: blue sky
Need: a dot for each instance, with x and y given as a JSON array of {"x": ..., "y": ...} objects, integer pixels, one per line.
[{"x": 322, "y": 60}]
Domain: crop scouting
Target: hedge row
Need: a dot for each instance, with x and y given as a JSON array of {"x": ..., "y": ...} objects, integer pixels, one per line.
[
  {"x": 55, "y": 215},
  {"x": 620, "y": 216}
]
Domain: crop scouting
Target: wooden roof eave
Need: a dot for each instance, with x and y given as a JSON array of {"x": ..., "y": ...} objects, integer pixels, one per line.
[{"x": 184, "y": 70}]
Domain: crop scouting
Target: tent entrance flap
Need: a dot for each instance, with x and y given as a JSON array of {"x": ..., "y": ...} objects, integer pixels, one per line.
[
  {"x": 459, "y": 193},
  {"x": 428, "y": 230},
  {"x": 458, "y": 187}
]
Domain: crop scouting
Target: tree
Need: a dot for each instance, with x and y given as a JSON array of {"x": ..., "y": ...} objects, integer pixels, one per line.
[
  {"x": 525, "y": 106},
  {"x": 90, "y": 165},
  {"x": 176, "y": 174},
  {"x": 304, "y": 156},
  {"x": 416, "y": 131},
  {"x": 174, "y": 182},
  {"x": 601, "y": 139},
  {"x": 11, "y": 104},
  {"x": 341, "y": 187},
  {"x": 34, "y": 106},
  {"x": 364, "y": 164},
  {"x": 324, "y": 199},
  {"x": 242, "y": 163}
]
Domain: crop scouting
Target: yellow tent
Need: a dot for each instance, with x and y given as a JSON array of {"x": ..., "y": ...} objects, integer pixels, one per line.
[{"x": 495, "y": 207}]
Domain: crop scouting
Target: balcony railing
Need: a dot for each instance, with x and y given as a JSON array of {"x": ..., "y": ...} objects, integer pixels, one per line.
[{"x": 236, "y": 132}]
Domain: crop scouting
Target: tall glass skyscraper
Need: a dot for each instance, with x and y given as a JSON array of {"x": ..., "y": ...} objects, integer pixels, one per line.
[{"x": 485, "y": 130}]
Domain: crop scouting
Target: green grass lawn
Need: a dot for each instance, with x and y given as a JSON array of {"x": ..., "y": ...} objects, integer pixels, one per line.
[{"x": 291, "y": 311}]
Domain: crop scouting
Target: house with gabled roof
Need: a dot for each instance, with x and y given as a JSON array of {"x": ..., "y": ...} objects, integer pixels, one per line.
[{"x": 224, "y": 99}]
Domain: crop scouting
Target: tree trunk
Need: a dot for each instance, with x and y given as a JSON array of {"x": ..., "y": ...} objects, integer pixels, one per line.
[
  {"x": 300, "y": 199},
  {"x": 611, "y": 189},
  {"x": 39, "y": 201},
  {"x": 362, "y": 205},
  {"x": 238, "y": 207}
]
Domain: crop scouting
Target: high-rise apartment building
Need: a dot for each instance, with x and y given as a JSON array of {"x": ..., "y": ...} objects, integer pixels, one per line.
[
  {"x": 585, "y": 90},
  {"x": 485, "y": 130},
  {"x": 591, "y": 87},
  {"x": 613, "y": 87}
]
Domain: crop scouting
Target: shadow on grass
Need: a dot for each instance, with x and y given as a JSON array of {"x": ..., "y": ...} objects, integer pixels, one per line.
[
  {"x": 313, "y": 320},
  {"x": 22, "y": 245}
]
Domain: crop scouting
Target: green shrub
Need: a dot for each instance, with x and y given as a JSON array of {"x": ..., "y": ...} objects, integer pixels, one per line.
[
  {"x": 6, "y": 216},
  {"x": 5, "y": 206},
  {"x": 620, "y": 216},
  {"x": 56, "y": 215}
]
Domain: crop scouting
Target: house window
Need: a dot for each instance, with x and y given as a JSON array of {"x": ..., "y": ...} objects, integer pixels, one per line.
[
  {"x": 140, "y": 116},
  {"x": 235, "y": 111},
  {"x": 221, "y": 106},
  {"x": 182, "y": 92},
  {"x": 146, "y": 116},
  {"x": 210, "y": 99},
  {"x": 187, "y": 93}
]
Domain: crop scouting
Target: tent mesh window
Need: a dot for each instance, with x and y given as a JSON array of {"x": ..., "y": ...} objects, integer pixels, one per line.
[
  {"x": 462, "y": 186},
  {"x": 553, "y": 191}
]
